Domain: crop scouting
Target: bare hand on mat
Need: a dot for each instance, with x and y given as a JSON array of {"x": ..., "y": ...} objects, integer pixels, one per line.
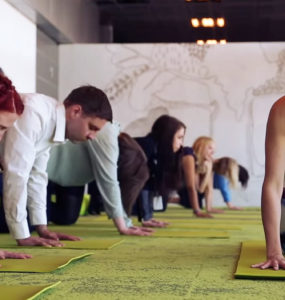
[
  {"x": 38, "y": 241},
  {"x": 154, "y": 223},
  {"x": 232, "y": 207},
  {"x": 276, "y": 262},
  {"x": 43, "y": 232},
  {"x": 235, "y": 208},
  {"x": 6, "y": 254},
  {"x": 60, "y": 236},
  {"x": 135, "y": 230},
  {"x": 200, "y": 214}
]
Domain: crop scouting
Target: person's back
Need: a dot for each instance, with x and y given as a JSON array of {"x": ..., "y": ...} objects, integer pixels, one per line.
[
  {"x": 162, "y": 147},
  {"x": 133, "y": 171},
  {"x": 26, "y": 151},
  {"x": 117, "y": 166},
  {"x": 149, "y": 146},
  {"x": 227, "y": 173},
  {"x": 11, "y": 108}
]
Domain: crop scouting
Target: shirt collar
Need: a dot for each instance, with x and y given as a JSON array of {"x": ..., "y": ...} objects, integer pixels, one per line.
[{"x": 59, "y": 135}]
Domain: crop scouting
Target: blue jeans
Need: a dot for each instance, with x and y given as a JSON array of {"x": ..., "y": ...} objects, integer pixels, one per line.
[{"x": 146, "y": 204}]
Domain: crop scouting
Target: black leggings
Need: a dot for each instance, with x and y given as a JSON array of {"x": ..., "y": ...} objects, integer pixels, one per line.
[
  {"x": 66, "y": 209},
  {"x": 184, "y": 198},
  {"x": 3, "y": 224}
]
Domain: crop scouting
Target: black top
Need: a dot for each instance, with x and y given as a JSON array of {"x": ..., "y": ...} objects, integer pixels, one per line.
[
  {"x": 149, "y": 146},
  {"x": 188, "y": 151}
]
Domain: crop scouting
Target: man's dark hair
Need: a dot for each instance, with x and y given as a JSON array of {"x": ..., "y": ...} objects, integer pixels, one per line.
[{"x": 94, "y": 102}]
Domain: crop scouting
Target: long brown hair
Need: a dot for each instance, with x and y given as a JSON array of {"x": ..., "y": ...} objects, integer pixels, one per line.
[{"x": 169, "y": 162}]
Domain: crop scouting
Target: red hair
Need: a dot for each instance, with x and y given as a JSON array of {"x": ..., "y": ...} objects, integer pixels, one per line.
[{"x": 10, "y": 100}]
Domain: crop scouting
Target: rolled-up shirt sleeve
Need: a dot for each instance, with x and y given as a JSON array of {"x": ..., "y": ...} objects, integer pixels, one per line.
[
  {"x": 104, "y": 153},
  {"x": 19, "y": 158},
  {"x": 38, "y": 180}
]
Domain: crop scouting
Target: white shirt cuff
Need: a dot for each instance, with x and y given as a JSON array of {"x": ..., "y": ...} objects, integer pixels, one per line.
[
  {"x": 19, "y": 230},
  {"x": 128, "y": 221},
  {"x": 38, "y": 217}
]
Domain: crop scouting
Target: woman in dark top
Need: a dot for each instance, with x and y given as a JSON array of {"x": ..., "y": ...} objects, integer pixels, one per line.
[
  {"x": 163, "y": 148},
  {"x": 188, "y": 193}
]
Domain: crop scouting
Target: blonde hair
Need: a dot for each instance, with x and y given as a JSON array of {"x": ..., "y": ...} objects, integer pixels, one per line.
[
  {"x": 199, "y": 148},
  {"x": 229, "y": 168}
]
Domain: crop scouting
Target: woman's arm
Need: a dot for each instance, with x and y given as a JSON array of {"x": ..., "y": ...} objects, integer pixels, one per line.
[
  {"x": 209, "y": 191},
  {"x": 209, "y": 195},
  {"x": 188, "y": 164},
  {"x": 206, "y": 179},
  {"x": 272, "y": 185}
]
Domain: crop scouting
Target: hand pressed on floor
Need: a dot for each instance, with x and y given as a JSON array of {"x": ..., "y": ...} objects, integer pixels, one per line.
[{"x": 276, "y": 262}]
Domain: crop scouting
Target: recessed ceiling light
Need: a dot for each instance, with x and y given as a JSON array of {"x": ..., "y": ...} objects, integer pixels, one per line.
[
  {"x": 211, "y": 42},
  {"x": 195, "y": 22},
  {"x": 208, "y": 22},
  {"x": 220, "y": 22}
]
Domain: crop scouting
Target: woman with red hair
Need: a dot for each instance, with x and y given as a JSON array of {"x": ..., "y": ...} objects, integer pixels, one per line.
[{"x": 11, "y": 108}]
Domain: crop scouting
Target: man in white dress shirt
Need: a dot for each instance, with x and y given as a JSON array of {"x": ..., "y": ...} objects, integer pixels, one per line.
[{"x": 44, "y": 122}]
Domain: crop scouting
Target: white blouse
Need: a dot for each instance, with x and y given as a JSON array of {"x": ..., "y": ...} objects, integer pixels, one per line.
[{"x": 26, "y": 153}]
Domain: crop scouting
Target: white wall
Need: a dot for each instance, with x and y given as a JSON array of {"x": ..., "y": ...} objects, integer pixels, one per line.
[
  {"x": 224, "y": 91},
  {"x": 78, "y": 20},
  {"x": 17, "y": 48}
]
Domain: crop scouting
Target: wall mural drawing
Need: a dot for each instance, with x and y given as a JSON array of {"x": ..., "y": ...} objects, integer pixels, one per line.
[{"x": 223, "y": 91}]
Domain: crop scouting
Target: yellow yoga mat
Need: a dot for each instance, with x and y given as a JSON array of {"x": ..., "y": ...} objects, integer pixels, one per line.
[
  {"x": 39, "y": 263},
  {"x": 95, "y": 233},
  {"x": 249, "y": 209},
  {"x": 24, "y": 292},
  {"x": 191, "y": 234},
  {"x": 204, "y": 226},
  {"x": 226, "y": 211},
  {"x": 216, "y": 216},
  {"x": 214, "y": 221},
  {"x": 237, "y": 217},
  {"x": 87, "y": 244},
  {"x": 91, "y": 224},
  {"x": 93, "y": 219},
  {"x": 253, "y": 252},
  {"x": 90, "y": 231},
  {"x": 243, "y": 212}
]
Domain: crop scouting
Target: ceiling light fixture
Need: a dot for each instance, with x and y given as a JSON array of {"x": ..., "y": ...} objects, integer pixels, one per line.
[
  {"x": 220, "y": 22},
  {"x": 211, "y": 42},
  {"x": 195, "y": 22},
  {"x": 208, "y": 22}
]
